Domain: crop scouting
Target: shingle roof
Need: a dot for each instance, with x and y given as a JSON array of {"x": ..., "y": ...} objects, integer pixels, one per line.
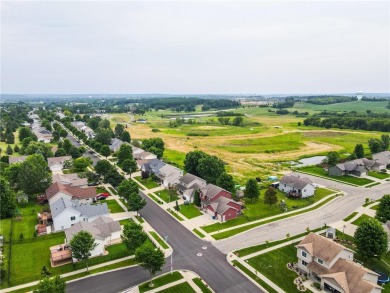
[
  {"x": 100, "y": 228},
  {"x": 72, "y": 179},
  {"x": 295, "y": 181},
  {"x": 85, "y": 210},
  {"x": 18, "y": 159},
  {"x": 188, "y": 178},
  {"x": 73, "y": 191},
  {"x": 211, "y": 190},
  {"x": 221, "y": 204},
  {"x": 58, "y": 160}
]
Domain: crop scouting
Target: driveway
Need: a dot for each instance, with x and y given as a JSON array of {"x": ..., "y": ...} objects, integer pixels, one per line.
[
  {"x": 211, "y": 265},
  {"x": 76, "y": 143}
]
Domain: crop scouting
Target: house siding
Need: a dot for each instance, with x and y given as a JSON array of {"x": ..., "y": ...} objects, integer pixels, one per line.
[
  {"x": 229, "y": 214},
  {"x": 335, "y": 171},
  {"x": 63, "y": 220}
]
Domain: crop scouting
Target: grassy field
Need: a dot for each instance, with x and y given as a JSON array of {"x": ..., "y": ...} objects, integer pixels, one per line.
[
  {"x": 114, "y": 207},
  {"x": 125, "y": 221},
  {"x": 175, "y": 214},
  {"x": 359, "y": 220},
  {"x": 160, "y": 281},
  {"x": 318, "y": 171},
  {"x": 189, "y": 211}
]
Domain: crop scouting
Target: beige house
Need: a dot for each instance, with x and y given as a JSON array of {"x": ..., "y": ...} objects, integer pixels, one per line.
[{"x": 332, "y": 265}]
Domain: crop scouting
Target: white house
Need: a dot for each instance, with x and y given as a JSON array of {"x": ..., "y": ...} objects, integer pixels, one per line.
[
  {"x": 169, "y": 175},
  {"x": 188, "y": 184},
  {"x": 296, "y": 186},
  {"x": 331, "y": 265},
  {"x": 58, "y": 190},
  {"x": 104, "y": 230},
  {"x": 57, "y": 163},
  {"x": 65, "y": 213}
]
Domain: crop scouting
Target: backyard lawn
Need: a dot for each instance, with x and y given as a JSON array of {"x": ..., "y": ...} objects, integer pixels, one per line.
[
  {"x": 359, "y": 220},
  {"x": 378, "y": 175},
  {"x": 168, "y": 195},
  {"x": 114, "y": 206},
  {"x": 149, "y": 183},
  {"x": 318, "y": 171},
  {"x": 190, "y": 211}
]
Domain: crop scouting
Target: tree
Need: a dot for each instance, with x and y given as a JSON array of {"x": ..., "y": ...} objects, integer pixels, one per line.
[
  {"x": 119, "y": 128},
  {"x": 332, "y": 158},
  {"x": 10, "y": 138},
  {"x": 192, "y": 160},
  {"x": 371, "y": 239},
  {"x": 60, "y": 152},
  {"x": 38, "y": 148},
  {"x": 94, "y": 122},
  {"x": 45, "y": 272},
  {"x": 125, "y": 137},
  {"x": 385, "y": 138},
  {"x": 127, "y": 188},
  {"x": 210, "y": 167},
  {"x": 152, "y": 144},
  {"x": 252, "y": 190},
  {"x": 113, "y": 177},
  {"x": 104, "y": 135},
  {"x": 66, "y": 145},
  {"x": 25, "y": 132},
  {"x": 34, "y": 169},
  {"x": 125, "y": 152},
  {"x": 74, "y": 152},
  {"x": 7, "y": 199},
  {"x": 129, "y": 166},
  {"x": 238, "y": 121},
  {"x": 375, "y": 145},
  {"x": 81, "y": 164},
  {"x": 12, "y": 173},
  {"x": 103, "y": 167},
  {"x": 383, "y": 211},
  {"x": 133, "y": 236},
  {"x": 359, "y": 151},
  {"x": 105, "y": 150},
  {"x": 9, "y": 151},
  {"x": 158, "y": 152},
  {"x": 197, "y": 199},
  {"x": 226, "y": 182},
  {"x": 16, "y": 148},
  {"x": 81, "y": 245},
  {"x": 270, "y": 196},
  {"x": 150, "y": 259},
  {"x": 105, "y": 123},
  {"x": 50, "y": 285}
]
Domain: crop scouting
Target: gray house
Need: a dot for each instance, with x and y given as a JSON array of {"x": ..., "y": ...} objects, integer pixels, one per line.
[
  {"x": 188, "y": 184},
  {"x": 383, "y": 158},
  {"x": 358, "y": 167}
]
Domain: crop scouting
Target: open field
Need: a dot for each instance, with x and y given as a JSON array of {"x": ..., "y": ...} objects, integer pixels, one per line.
[{"x": 254, "y": 149}]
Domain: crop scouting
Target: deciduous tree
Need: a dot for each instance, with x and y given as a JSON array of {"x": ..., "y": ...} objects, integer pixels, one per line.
[
  {"x": 50, "y": 285},
  {"x": 119, "y": 128},
  {"x": 133, "y": 236},
  {"x": 270, "y": 197},
  {"x": 210, "y": 167},
  {"x": 150, "y": 259},
  {"x": 383, "y": 211},
  {"x": 129, "y": 166},
  {"x": 7, "y": 199},
  {"x": 125, "y": 136},
  {"x": 105, "y": 150},
  {"x": 34, "y": 176},
  {"x": 371, "y": 239},
  {"x": 332, "y": 158},
  {"x": 226, "y": 182},
  {"x": 125, "y": 152},
  {"x": 252, "y": 190},
  {"x": 359, "y": 151},
  {"x": 82, "y": 245}
]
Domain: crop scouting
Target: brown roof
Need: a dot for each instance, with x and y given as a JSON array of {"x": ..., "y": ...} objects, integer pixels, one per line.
[
  {"x": 58, "y": 160},
  {"x": 74, "y": 192},
  {"x": 323, "y": 248},
  {"x": 18, "y": 159}
]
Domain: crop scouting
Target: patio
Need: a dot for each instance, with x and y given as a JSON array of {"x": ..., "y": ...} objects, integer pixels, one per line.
[{"x": 60, "y": 255}]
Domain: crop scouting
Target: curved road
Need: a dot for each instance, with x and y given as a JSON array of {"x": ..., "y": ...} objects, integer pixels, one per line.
[{"x": 212, "y": 266}]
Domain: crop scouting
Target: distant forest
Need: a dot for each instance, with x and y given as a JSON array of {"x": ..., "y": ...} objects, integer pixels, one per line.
[{"x": 326, "y": 100}]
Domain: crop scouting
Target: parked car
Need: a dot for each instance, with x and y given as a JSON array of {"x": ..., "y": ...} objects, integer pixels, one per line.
[
  {"x": 91, "y": 152},
  {"x": 93, "y": 184},
  {"x": 101, "y": 197},
  {"x": 104, "y": 194}
]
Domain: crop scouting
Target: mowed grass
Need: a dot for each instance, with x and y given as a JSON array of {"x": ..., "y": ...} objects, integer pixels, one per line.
[
  {"x": 346, "y": 219},
  {"x": 149, "y": 183},
  {"x": 168, "y": 195},
  {"x": 378, "y": 175},
  {"x": 159, "y": 240},
  {"x": 189, "y": 211},
  {"x": 318, "y": 171},
  {"x": 197, "y": 232},
  {"x": 175, "y": 158},
  {"x": 273, "y": 265},
  {"x": 160, "y": 281},
  {"x": 25, "y": 224},
  {"x": 180, "y": 288},
  {"x": 358, "y": 106},
  {"x": 201, "y": 285},
  {"x": 272, "y": 144},
  {"x": 362, "y": 218},
  {"x": 114, "y": 206}
]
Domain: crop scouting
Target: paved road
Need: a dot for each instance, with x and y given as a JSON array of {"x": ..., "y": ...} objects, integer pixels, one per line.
[
  {"x": 211, "y": 266},
  {"x": 76, "y": 143},
  {"x": 330, "y": 213}
]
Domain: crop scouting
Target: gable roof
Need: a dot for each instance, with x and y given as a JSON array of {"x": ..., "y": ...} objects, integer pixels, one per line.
[
  {"x": 167, "y": 170},
  {"x": 58, "y": 160},
  {"x": 72, "y": 179},
  {"x": 221, "y": 204},
  {"x": 359, "y": 165},
  {"x": 100, "y": 228},
  {"x": 211, "y": 190},
  {"x": 383, "y": 157},
  {"x": 323, "y": 248},
  {"x": 189, "y": 178},
  {"x": 18, "y": 159},
  {"x": 295, "y": 181},
  {"x": 73, "y": 191},
  {"x": 84, "y": 210}
]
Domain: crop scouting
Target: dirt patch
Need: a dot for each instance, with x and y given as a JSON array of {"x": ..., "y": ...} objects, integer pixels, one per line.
[
  {"x": 323, "y": 133},
  {"x": 210, "y": 127}
]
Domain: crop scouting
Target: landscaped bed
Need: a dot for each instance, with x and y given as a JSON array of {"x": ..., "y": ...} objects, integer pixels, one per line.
[{"x": 190, "y": 211}]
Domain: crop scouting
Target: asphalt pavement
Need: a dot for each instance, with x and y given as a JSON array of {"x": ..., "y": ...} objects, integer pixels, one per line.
[
  {"x": 76, "y": 143},
  {"x": 211, "y": 265}
]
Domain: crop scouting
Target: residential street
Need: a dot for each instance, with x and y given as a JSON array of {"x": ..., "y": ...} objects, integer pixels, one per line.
[{"x": 211, "y": 266}]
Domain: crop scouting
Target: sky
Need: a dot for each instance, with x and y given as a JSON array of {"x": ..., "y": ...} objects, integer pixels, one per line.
[{"x": 194, "y": 47}]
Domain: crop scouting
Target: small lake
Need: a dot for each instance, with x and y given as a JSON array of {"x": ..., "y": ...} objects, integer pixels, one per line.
[{"x": 310, "y": 161}]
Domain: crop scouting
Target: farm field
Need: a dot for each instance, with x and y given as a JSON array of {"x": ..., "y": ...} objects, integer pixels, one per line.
[{"x": 256, "y": 148}]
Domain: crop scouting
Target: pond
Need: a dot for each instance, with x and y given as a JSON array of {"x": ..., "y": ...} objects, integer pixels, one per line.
[{"x": 310, "y": 161}]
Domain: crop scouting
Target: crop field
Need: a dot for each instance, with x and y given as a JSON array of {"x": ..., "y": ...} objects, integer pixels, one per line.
[{"x": 257, "y": 148}]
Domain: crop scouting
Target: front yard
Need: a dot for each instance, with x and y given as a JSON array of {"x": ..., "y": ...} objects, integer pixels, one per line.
[
  {"x": 378, "y": 175},
  {"x": 168, "y": 195},
  {"x": 318, "y": 171},
  {"x": 359, "y": 220},
  {"x": 190, "y": 211},
  {"x": 149, "y": 183},
  {"x": 114, "y": 206}
]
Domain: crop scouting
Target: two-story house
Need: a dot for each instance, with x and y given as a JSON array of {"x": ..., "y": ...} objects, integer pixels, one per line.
[
  {"x": 151, "y": 167},
  {"x": 296, "y": 186},
  {"x": 218, "y": 203},
  {"x": 332, "y": 265},
  {"x": 58, "y": 190},
  {"x": 57, "y": 163},
  {"x": 188, "y": 184},
  {"x": 70, "y": 179},
  {"x": 169, "y": 175}
]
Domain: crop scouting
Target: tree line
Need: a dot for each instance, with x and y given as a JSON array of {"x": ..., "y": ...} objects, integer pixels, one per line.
[{"x": 358, "y": 123}]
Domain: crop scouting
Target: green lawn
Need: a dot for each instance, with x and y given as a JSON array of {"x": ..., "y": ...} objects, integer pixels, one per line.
[
  {"x": 201, "y": 285},
  {"x": 375, "y": 207},
  {"x": 112, "y": 189},
  {"x": 318, "y": 171},
  {"x": 168, "y": 195},
  {"x": 346, "y": 219},
  {"x": 257, "y": 210},
  {"x": 125, "y": 221},
  {"x": 5, "y": 228},
  {"x": 114, "y": 206},
  {"x": 378, "y": 175},
  {"x": 160, "y": 281},
  {"x": 159, "y": 240},
  {"x": 359, "y": 220},
  {"x": 180, "y": 288},
  {"x": 101, "y": 189},
  {"x": 254, "y": 277},
  {"x": 140, "y": 219},
  {"x": 174, "y": 213},
  {"x": 149, "y": 183},
  {"x": 175, "y": 158},
  {"x": 190, "y": 211},
  {"x": 273, "y": 265},
  {"x": 197, "y": 232}
]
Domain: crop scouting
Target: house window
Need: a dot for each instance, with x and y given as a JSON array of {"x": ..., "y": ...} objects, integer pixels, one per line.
[
  {"x": 304, "y": 254},
  {"x": 72, "y": 218},
  {"x": 303, "y": 263},
  {"x": 320, "y": 261}
]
